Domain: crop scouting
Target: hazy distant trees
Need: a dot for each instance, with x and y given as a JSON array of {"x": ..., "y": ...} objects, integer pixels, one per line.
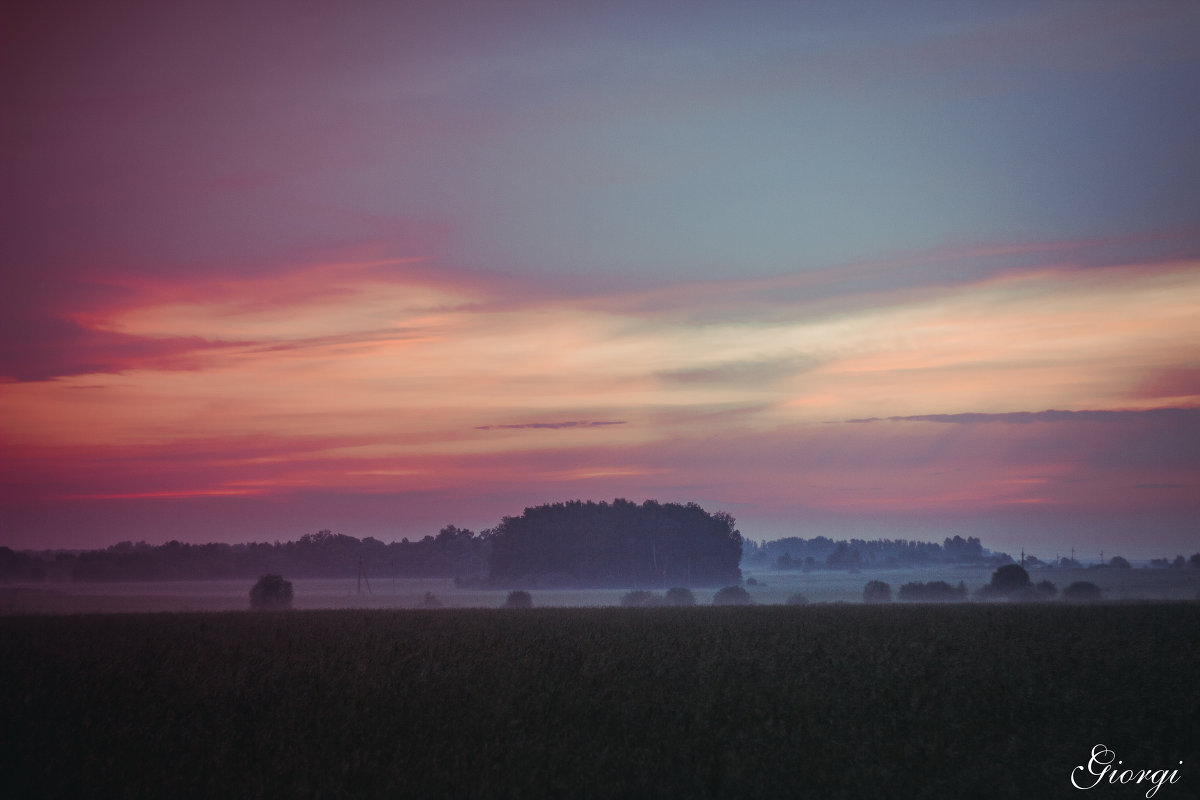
[
  {"x": 271, "y": 592},
  {"x": 1046, "y": 589},
  {"x": 1195, "y": 560},
  {"x": 518, "y": 599},
  {"x": 825, "y": 553},
  {"x": 877, "y": 592},
  {"x": 454, "y": 552},
  {"x": 732, "y": 596},
  {"x": 797, "y": 599},
  {"x": 1118, "y": 562},
  {"x": 1081, "y": 591},
  {"x": 15, "y": 566},
  {"x": 622, "y": 542}
]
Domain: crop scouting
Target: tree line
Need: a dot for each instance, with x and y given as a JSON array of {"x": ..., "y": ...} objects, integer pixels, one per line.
[
  {"x": 825, "y": 553},
  {"x": 621, "y": 543}
]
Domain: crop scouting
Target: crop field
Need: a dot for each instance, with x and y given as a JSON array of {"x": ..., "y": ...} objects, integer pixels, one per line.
[{"x": 959, "y": 700}]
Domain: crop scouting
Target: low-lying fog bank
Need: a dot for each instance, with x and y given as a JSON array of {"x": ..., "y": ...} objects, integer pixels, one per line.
[{"x": 763, "y": 587}]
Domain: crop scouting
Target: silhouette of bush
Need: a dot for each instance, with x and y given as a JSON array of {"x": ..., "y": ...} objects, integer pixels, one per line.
[
  {"x": 640, "y": 598},
  {"x": 877, "y": 592},
  {"x": 1119, "y": 563},
  {"x": 1046, "y": 589},
  {"x": 1008, "y": 581},
  {"x": 732, "y": 596},
  {"x": 797, "y": 599},
  {"x": 1082, "y": 591},
  {"x": 431, "y": 601},
  {"x": 271, "y": 592},
  {"x": 518, "y": 599},
  {"x": 679, "y": 596}
]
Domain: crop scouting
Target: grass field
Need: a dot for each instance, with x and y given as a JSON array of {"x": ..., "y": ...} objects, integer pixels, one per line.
[{"x": 821, "y": 701}]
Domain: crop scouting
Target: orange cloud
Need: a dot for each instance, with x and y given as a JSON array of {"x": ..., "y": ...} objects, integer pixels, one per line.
[{"x": 392, "y": 379}]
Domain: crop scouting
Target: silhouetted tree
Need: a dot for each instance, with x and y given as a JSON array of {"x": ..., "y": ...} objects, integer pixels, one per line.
[
  {"x": 797, "y": 599},
  {"x": 1046, "y": 589},
  {"x": 1195, "y": 560},
  {"x": 679, "y": 596},
  {"x": 877, "y": 592},
  {"x": 518, "y": 599},
  {"x": 622, "y": 542},
  {"x": 1008, "y": 579},
  {"x": 1118, "y": 562},
  {"x": 641, "y": 598},
  {"x": 431, "y": 601},
  {"x": 732, "y": 596},
  {"x": 1080, "y": 591},
  {"x": 271, "y": 592}
]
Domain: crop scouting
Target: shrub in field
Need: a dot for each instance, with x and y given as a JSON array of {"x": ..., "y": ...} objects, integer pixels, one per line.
[
  {"x": 518, "y": 599},
  {"x": 1118, "y": 562},
  {"x": 271, "y": 592},
  {"x": 1011, "y": 579},
  {"x": 797, "y": 599},
  {"x": 1046, "y": 589},
  {"x": 431, "y": 601},
  {"x": 1082, "y": 591},
  {"x": 679, "y": 596},
  {"x": 640, "y": 597},
  {"x": 732, "y": 596},
  {"x": 877, "y": 592}
]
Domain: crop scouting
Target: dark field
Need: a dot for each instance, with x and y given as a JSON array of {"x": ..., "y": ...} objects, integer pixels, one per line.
[{"x": 968, "y": 700}]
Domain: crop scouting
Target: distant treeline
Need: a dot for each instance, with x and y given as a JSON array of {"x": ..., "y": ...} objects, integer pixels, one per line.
[
  {"x": 576, "y": 543},
  {"x": 453, "y": 552},
  {"x": 825, "y": 553}
]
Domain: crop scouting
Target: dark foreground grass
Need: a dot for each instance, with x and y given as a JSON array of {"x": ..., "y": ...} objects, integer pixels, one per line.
[{"x": 835, "y": 701}]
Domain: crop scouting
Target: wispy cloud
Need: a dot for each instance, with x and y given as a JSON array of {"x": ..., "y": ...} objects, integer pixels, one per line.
[
  {"x": 1029, "y": 417},
  {"x": 550, "y": 425}
]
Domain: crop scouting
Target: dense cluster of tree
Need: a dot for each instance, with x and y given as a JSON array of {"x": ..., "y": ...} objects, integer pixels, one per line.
[
  {"x": 620, "y": 543},
  {"x": 825, "y": 553},
  {"x": 453, "y": 552}
]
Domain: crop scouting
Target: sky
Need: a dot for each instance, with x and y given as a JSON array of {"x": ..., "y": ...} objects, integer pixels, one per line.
[{"x": 874, "y": 270}]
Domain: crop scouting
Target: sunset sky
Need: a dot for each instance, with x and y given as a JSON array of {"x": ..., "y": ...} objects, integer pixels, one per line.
[{"x": 894, "y": 269}]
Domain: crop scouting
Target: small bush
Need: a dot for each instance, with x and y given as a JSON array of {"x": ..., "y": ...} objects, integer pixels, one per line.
[
  {"x": 797, "y": 599},
  {"x": 639, "y": 598},
  {"x": 1046, "y": 589},
  {"x": 270, "y": 593},
  {"x": 518, "y": 599},
  {"x": 1082, "y": 591},
  {"x": 732, "y": 596},
  {"x": 431, "y": 601},
  {"x": 751, "y": 581},
  {"x": 679, "y": 596},
  {"x": 877, "y": 592}
]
